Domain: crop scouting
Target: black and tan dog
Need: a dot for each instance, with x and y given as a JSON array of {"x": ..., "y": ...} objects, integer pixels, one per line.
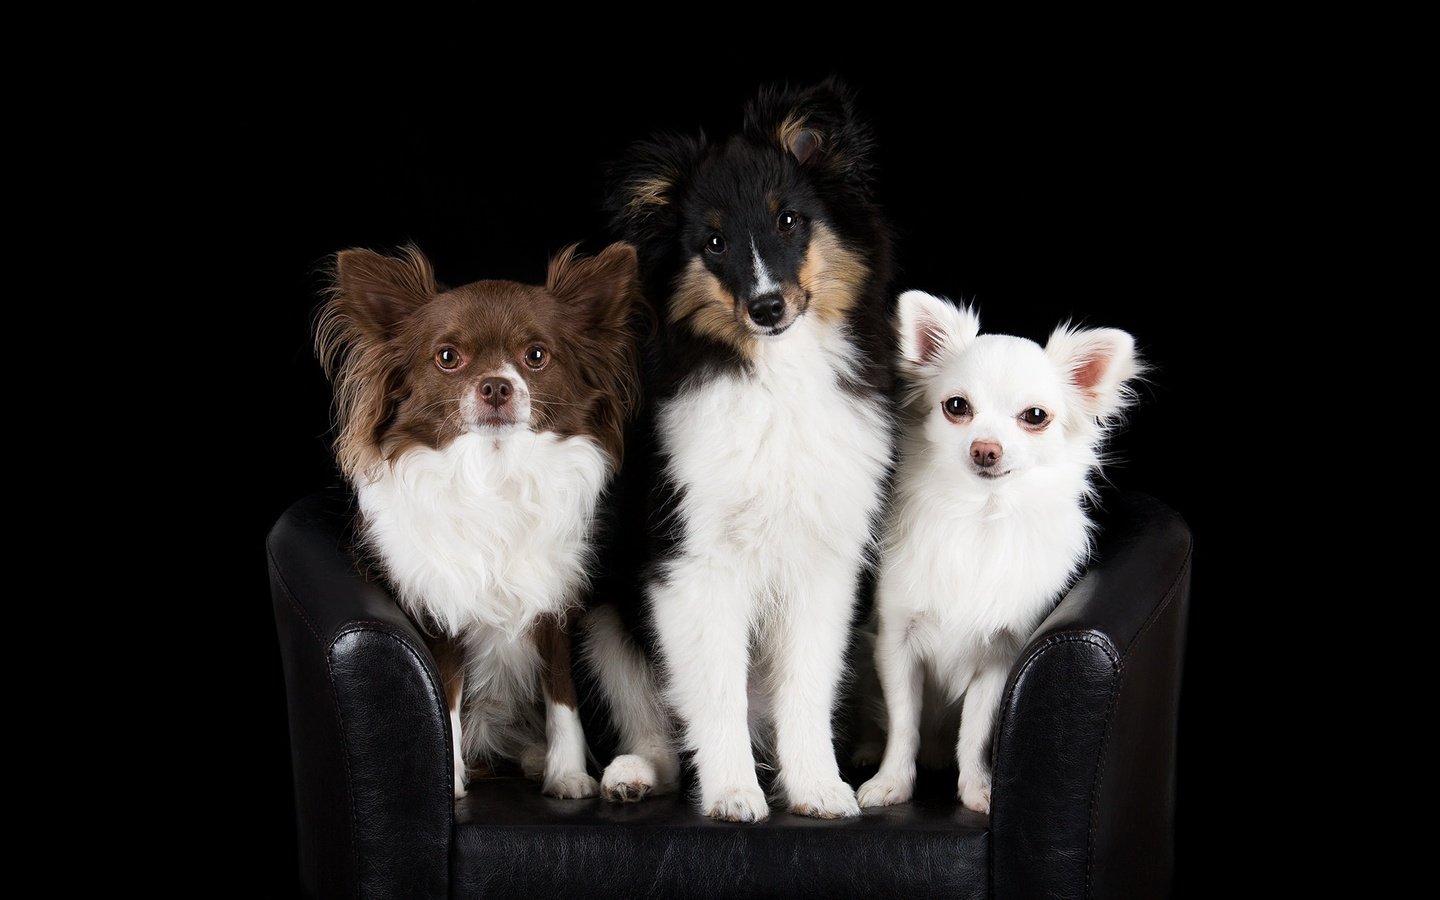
[{"x": 769, "y": 264}]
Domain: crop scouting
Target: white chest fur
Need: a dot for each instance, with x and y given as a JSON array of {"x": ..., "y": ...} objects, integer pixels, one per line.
[
  {"x": 962, "y": 563},
  {"x": 486, "y": 532},
  {"x": 780, "y": 467}
]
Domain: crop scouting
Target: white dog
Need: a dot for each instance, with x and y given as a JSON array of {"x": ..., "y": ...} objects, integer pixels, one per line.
[{"x": 989, "y": 524}]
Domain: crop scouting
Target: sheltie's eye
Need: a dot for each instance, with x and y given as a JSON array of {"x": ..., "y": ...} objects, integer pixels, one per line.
[
  {"x": 536, "y": 356},
  {"x": 1035, "y": 418},
  {"x": 787, "y": 220},
  {"x": 957, "y": 407},
  {"x": 715, "y": 245},
  {"x": 449, "y": 359}
]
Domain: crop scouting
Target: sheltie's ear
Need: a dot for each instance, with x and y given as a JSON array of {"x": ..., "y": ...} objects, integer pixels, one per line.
[
  {"x": 817, "y": 126},
  {"x": 931, "y": 330},
  {"x": 647, "y": 183}
]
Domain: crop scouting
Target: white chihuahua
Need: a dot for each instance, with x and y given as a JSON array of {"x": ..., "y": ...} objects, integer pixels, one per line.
[{"x": 989, "y": 523}]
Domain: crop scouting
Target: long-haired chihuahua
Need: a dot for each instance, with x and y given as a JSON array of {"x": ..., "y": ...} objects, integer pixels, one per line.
[{"x": 479, "y": 426}]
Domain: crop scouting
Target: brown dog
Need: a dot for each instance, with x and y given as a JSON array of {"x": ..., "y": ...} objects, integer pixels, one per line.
[{"x": 479, "y": 427}]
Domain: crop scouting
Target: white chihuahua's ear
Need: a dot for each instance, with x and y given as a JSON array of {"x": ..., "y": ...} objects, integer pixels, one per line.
[
  {"x": 1101, "y": 364},
  {"x": 931, "y": 327}
]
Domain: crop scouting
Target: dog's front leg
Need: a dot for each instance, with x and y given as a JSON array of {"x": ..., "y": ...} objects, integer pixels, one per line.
[
  {"x": 977, "y": 721},
  {"x": 902, "y": 678},
  {"x": 449, "y": 656},
  {"x": 812, "y": 633},
  {"x": 565, "y": 750},
  {"x": 702, "y": 618}
]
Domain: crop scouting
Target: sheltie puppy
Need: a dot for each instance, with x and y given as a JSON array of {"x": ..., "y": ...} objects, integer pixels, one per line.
[
  {"x": 769, "y": 263},
  {"x": 989, "y": 524},
  {"x": 479, "y": 426}
]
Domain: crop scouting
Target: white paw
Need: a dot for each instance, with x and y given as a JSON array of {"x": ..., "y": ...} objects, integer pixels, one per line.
[
  {"x": 571, "y": 786},
  {"x": 867, "y": 753},
  {"x": 738, "y": 804},
  {"x": 825, "y": 800},
  {"x": 532, "y": 761},
  {"x": 883, "y": 790},
  {"x": 628, "y": 778},
  {"x": 975, "y": 793}
]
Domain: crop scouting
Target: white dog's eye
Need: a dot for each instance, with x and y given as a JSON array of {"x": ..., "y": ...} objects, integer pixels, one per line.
[
  {"x": 957, "y": 408},
  {"x": 1035, "y": 418}
]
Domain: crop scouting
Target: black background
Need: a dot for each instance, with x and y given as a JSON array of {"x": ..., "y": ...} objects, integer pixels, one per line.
[{"x": 1040, "y": 188}]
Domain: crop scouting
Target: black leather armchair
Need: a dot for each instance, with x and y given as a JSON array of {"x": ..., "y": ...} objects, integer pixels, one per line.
[{"x": 1084, "y": 755}]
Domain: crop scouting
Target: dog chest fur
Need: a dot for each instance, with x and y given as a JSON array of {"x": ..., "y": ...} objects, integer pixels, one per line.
[
  {"x": 779, "y": 467},
  {"x": 968, "y": 566},
  {"x": 488, "y": 531}
]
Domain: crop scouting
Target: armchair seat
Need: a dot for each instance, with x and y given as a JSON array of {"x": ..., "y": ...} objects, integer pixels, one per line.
[
  {"x": 510, "y": 840},
  {"x": 1084, "y": 759}
]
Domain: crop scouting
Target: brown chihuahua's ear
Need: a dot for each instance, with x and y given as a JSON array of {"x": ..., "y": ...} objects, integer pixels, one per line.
[
  {"x": 377, "y": 292},
  {"x": 601, "y": 289}
]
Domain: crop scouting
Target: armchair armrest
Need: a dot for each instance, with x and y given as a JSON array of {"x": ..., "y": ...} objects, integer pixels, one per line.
[
  {"x": 369, "y": 731},
  {"x": 1084, "y": 776}
]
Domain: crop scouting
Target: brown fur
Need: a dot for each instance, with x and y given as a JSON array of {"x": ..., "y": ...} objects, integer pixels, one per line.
[
  {"x": 802, "y": 142},
  {"x": 378, "y": 333},
  {"x": 830, "y": 282},
  {"x": 703, "y": 302},
  {"x": 648, "y": 192},
  {"x": 450, "y": 660},
  {"x": 552, "y": 637},
  {"x": 833, "y": 275}
]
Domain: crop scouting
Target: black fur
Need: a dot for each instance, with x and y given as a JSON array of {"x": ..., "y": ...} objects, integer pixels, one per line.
[
  {"x": 672, "y": 189},
  {"x": 663, "y": 190}
]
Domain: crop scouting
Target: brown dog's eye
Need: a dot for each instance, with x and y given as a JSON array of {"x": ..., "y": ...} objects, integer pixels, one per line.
[
  {"x": 1035, "y": 417},
  {"x": 787, "y": 220},
  {"x": 537, "y": 356},
  {"x": 449, "y": 359},
  {"x": 957, "y": 407}
]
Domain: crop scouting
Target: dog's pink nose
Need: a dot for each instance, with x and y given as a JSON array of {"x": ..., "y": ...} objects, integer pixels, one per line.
[
  {"x": 496, "y": 391},
  {"x": 986, "y": 453}
]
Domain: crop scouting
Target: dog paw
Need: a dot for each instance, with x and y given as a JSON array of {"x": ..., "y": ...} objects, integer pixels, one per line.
[
  {"x": 868, "y": 753},
  {"x": 827, "y": 800},
  {"x": 975, "y": 793},
  {"x": 571, "y": 786},
  {"x": 738, "y": 804},
  {"x": 884, "y": 791},
  {"x": 628, "y": 779}
]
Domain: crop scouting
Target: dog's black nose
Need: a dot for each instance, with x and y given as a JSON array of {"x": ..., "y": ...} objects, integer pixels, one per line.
[
  {"x": 766, "y": 310},
  {"x": 986, "y": 453},
  {"x": 496, "y": 391}
]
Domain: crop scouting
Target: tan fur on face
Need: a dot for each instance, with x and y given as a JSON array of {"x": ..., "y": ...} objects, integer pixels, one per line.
[
  {"x": 702, "y": 303},
  {"x": 832, "y": 275}
]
